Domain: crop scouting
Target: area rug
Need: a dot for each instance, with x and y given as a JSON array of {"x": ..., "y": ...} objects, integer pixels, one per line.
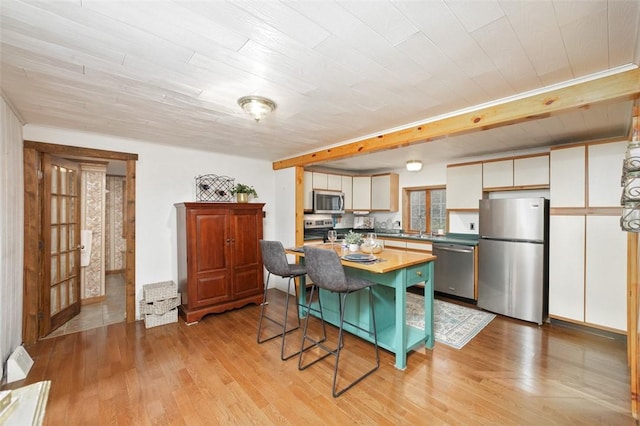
[{"x": 454, "y": 325}]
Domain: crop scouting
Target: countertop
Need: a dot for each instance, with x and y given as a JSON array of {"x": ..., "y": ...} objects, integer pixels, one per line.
[
  {"x": 450, "y": 238},
  {"x": 391, "y": 260}
]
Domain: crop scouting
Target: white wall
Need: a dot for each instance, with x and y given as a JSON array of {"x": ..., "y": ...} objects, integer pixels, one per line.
[
  {"x": 284, "y": 219},
  {"x": 11, "y": 232},
  {"x": 166, "y": 175}
]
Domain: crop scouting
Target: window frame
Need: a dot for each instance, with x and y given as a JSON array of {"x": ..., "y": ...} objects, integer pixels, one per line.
[{"x": 406, "y": 207}]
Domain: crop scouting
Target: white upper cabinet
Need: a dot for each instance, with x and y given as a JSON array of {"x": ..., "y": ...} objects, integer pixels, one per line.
[
  {"x": 362, "y": 193},
  {"x": 319, "y": 180},
  {"x": 567, "y": 184},
  {"x": 516, "y": 173},
  {"x": 334, "y": 182},
  {"x": 531, "y": 171},
  {"x": 605, "y": 169},
  {"x": 347, "y": 188},
  {"x": 384, "y": 192},
  {"x": 497, "y": 174},
  {"x": 464, "y": 186}
]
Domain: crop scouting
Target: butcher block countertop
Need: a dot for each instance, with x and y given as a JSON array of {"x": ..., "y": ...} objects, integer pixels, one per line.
[{"x": 386, "y": 261}]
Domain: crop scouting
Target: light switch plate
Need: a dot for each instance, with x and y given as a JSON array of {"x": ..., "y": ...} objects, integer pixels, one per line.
[{"x": 18, "y": 365}]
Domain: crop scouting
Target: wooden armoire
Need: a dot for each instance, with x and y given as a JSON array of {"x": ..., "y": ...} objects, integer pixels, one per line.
[{"x": 219, "y": 260}]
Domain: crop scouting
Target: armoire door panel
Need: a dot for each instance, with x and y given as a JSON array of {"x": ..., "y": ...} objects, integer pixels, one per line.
[
  {"x": 212, "y": 289},
  {"x": 245, "y": 281},
  {"x": 211, "y": 242}
]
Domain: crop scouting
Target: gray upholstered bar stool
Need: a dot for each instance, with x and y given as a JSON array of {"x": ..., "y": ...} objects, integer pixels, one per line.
[
  {"x": 275, "y": 261},
  {"x": 326, "y": 271}
]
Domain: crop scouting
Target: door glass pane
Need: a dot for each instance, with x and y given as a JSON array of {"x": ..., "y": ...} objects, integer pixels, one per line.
[
  {"x": 55, "y": 307},
  {"x": 72, "y": 290},
  {"x": 64, "y": 301},
  {"x": 72, "y": 260},
  {"x": 54, "y": 209},
  {"x": 54, "y": 269},
  {"x": 72, "y": 210},
  {"x": 54, "y": 239},
  {"x": 72, "y": 239},
  {"x": 72, "y": 182},
  {"x": 63, "y": 180},
  {"x": 54, "y": 179},
  {"x": 63, "y": 237},
  {"x": 63, "y": 209},
  {"x": 63, "y": 266}
]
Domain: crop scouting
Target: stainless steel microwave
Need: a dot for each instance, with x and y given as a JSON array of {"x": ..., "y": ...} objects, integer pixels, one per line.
[{"x": 328, "y": 202}]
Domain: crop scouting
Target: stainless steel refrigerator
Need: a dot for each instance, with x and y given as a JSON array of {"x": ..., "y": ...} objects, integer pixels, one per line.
[{"x": 513, "y": 258}]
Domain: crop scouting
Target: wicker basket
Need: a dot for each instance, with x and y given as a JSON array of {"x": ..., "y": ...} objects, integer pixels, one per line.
[
  {"x": 153, "y": 320},
  {"x": 159, "y": 307},
  {"x": 159, "y": 291}
]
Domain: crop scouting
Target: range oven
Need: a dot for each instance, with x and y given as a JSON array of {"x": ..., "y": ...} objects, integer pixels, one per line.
[{"x": 317, "y": 229}]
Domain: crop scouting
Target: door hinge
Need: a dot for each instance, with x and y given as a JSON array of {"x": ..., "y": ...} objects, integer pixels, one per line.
[
  {"x": 40, "y": 315},
  {"x": 40, "y": 245},
  {"x": 40, "y": 174}
]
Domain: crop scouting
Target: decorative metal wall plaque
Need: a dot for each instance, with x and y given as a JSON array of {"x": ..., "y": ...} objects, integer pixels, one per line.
[{"x": 214, "y": 188}]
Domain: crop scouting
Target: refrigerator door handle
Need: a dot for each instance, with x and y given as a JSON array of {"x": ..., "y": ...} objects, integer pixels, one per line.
[{"x": 512, "y": 240}]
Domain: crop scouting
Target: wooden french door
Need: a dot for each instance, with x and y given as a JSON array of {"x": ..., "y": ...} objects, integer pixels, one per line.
[{"x": 61, "y": 243}]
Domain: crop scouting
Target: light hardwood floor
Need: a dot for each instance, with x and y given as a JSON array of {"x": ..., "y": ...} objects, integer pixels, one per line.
[{"x": 214, "y": 372}]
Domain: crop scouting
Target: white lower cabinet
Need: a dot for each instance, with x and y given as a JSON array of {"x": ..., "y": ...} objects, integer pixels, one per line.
[
  {"x": 411, "y": 245},
  {"x": 588, "y": 270},
  {"x": 406, "y": 244},
  {"x": 395, "y": 243},
  {"x": 606, "y": 280},
  {"x": 566, "y": 267}
]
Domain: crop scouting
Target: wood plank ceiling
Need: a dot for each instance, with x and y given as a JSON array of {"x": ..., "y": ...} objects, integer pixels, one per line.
[{"x": 171, "y": 72}]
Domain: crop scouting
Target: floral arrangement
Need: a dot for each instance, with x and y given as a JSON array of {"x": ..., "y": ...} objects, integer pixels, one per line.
[
  {"x": 353, "y": 238},
  {"x": 241, "y": 188}
]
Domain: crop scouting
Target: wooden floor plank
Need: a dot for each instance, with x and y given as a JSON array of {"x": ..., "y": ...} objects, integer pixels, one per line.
[{"x": 214, "y": 372}]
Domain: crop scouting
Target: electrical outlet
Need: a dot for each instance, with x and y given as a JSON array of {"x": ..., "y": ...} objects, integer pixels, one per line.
[{"x": 472, "y": 226}]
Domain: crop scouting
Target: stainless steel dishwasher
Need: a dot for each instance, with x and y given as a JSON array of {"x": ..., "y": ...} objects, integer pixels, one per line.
[{"x": 455, "y": 269}]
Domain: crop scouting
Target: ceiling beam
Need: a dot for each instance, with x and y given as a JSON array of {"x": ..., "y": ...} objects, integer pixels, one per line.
[{"x": 609, "y": 89}]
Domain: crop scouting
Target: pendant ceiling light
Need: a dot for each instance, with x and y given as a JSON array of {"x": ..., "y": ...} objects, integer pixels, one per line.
[
  {"x": 257, "y": 106},
  {"x": 414, "y": 165}
]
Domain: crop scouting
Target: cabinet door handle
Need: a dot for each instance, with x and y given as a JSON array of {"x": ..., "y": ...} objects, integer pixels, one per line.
[
  {"x": 419, "y": 273},
  {"x": 228, "y": 240}
]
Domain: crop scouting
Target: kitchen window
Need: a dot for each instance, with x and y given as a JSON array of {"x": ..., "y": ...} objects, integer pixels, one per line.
[{"x": 424, "y": 209}]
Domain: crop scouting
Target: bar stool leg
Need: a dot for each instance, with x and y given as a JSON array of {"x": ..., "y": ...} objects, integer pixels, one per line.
[
  {"x": 335, "y": 391},
  {"x": 284, "y": 323}
]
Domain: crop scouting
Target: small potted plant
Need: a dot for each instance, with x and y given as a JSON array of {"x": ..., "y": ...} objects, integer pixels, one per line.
[
  {"x": 242, "y": 192},
  {"x": 353, "y": 239}
]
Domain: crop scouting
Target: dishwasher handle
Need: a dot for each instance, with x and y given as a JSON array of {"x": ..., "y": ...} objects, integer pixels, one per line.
[{"x": 456, "y": 249}]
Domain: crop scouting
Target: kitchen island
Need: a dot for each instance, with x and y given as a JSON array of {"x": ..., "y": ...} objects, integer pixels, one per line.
[{"x": 394, "y": 271}]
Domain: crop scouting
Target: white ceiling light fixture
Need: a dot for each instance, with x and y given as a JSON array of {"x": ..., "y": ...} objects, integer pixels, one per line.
[
  {"x": 257, "y": 106},
  {"x": 414, "y": 165}
]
